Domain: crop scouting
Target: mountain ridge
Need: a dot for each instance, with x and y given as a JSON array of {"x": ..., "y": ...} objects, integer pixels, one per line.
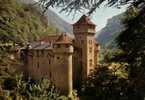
[
  {"x": 53, "y": 18},
  {"x": 112, "y": 29}
]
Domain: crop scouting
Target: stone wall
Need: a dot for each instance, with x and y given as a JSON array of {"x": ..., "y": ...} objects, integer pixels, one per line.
[{"x": 39, "y": 64}]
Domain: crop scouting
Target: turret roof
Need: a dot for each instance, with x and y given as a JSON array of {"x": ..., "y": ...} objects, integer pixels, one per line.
[
  {"x": 84, "y": 20},
  {"x": 63, "y": 39}
]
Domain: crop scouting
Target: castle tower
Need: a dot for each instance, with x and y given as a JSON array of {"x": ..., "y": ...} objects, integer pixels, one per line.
[
  {"x": 84, "y": 31},
  {"x": 62, "y": 74}
]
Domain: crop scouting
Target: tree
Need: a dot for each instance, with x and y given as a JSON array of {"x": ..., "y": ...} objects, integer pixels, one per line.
[
  {"x": 90, "y": 5},
  {"x": 106, "y": 84},
  {"x": 131, "y": 41},
  {"x": 17, "y": 88},
  {"x": 22, "y": 23}
]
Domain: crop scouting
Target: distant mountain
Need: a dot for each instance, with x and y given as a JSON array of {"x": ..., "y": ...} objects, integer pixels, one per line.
[
  {"x": 108, "y": 34},
  {"x": 55, "y": 20},
  {"x": 52, "y": 17}
]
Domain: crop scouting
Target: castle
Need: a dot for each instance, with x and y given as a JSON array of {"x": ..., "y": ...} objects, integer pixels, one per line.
[{"x": 64, "y": 60}]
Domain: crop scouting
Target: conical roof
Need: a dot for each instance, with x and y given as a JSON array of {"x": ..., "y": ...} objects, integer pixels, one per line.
[
  {"x": 84, "y": 20},
  {"x": 63, "y": 39}
]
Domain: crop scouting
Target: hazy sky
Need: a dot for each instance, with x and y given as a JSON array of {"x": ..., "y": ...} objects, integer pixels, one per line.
[{"x": 99, "y": 17}]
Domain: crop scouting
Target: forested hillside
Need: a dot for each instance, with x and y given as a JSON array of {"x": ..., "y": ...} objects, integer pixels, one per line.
[
  {"x": 21, "y": 23},
  {"x": 53, "y": 18}
]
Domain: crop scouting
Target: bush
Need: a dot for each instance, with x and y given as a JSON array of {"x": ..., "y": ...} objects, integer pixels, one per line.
[{"x": 18, "y": 88}]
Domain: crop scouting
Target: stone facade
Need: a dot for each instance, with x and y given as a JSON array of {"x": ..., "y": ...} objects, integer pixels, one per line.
[{"x": 63, "y": 60}]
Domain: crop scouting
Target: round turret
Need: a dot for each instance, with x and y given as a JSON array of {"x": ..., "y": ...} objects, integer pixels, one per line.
[
  {"x": 63, "y": 51},
  {"x": 63, "y": 45}
]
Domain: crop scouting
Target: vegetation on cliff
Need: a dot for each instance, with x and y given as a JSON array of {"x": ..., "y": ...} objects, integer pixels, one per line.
[{"x": 22, "y": 23}]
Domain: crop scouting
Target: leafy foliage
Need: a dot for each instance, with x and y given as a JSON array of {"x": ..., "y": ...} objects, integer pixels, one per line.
[
  {"x": 106, "y": 84},
  {"x": 89, "y": 5},
  {"x": 131, "y": 41},
  {"x": 7, "y": 65},
  {"x": 18, "y": 88},
  {"x": 21, "y": 23}
]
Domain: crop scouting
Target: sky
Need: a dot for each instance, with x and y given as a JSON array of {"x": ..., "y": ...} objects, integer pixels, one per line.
[{"x": 99, "y": 17}]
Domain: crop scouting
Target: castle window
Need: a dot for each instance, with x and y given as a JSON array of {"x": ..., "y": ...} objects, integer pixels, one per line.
[
  {"x": 37, "y": 53},
  {"x": 42, "y": 52},
  {"x": 37, "y": 64},
  {"x": 82, "y": 41},
  {"x": 78, "y": 27},
  {"x": 49, "y": 62},
  {"x": 58, "y": 57},
  {"x": 58, "y": 46},
  {"x": 50, "y": 75},
  {"x": 66, "y": 46},
  {"x": 90, "y": 49},
  {"x": 91, "y": 62},
  {"x": 91, "y": 70}
]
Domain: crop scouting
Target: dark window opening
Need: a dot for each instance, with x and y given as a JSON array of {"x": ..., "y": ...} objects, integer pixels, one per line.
[
  {"x": 42, "y": 52},
  {"x": 66, "y": 46},
  {"x": 90, "y": 49},
  {"x": 37, "y": 53},
  {"x": 50, "y": 75},
  {"x": 58, "y": 46},
  {"x": 49, "y": 62},
  {"x": 37, "y": 64},
  {"x": 82, "y": 41},
  {"x": 78, "y": 27},
  {"x": 58, "y": 57},
  {"x": 91, "y": 62}
]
